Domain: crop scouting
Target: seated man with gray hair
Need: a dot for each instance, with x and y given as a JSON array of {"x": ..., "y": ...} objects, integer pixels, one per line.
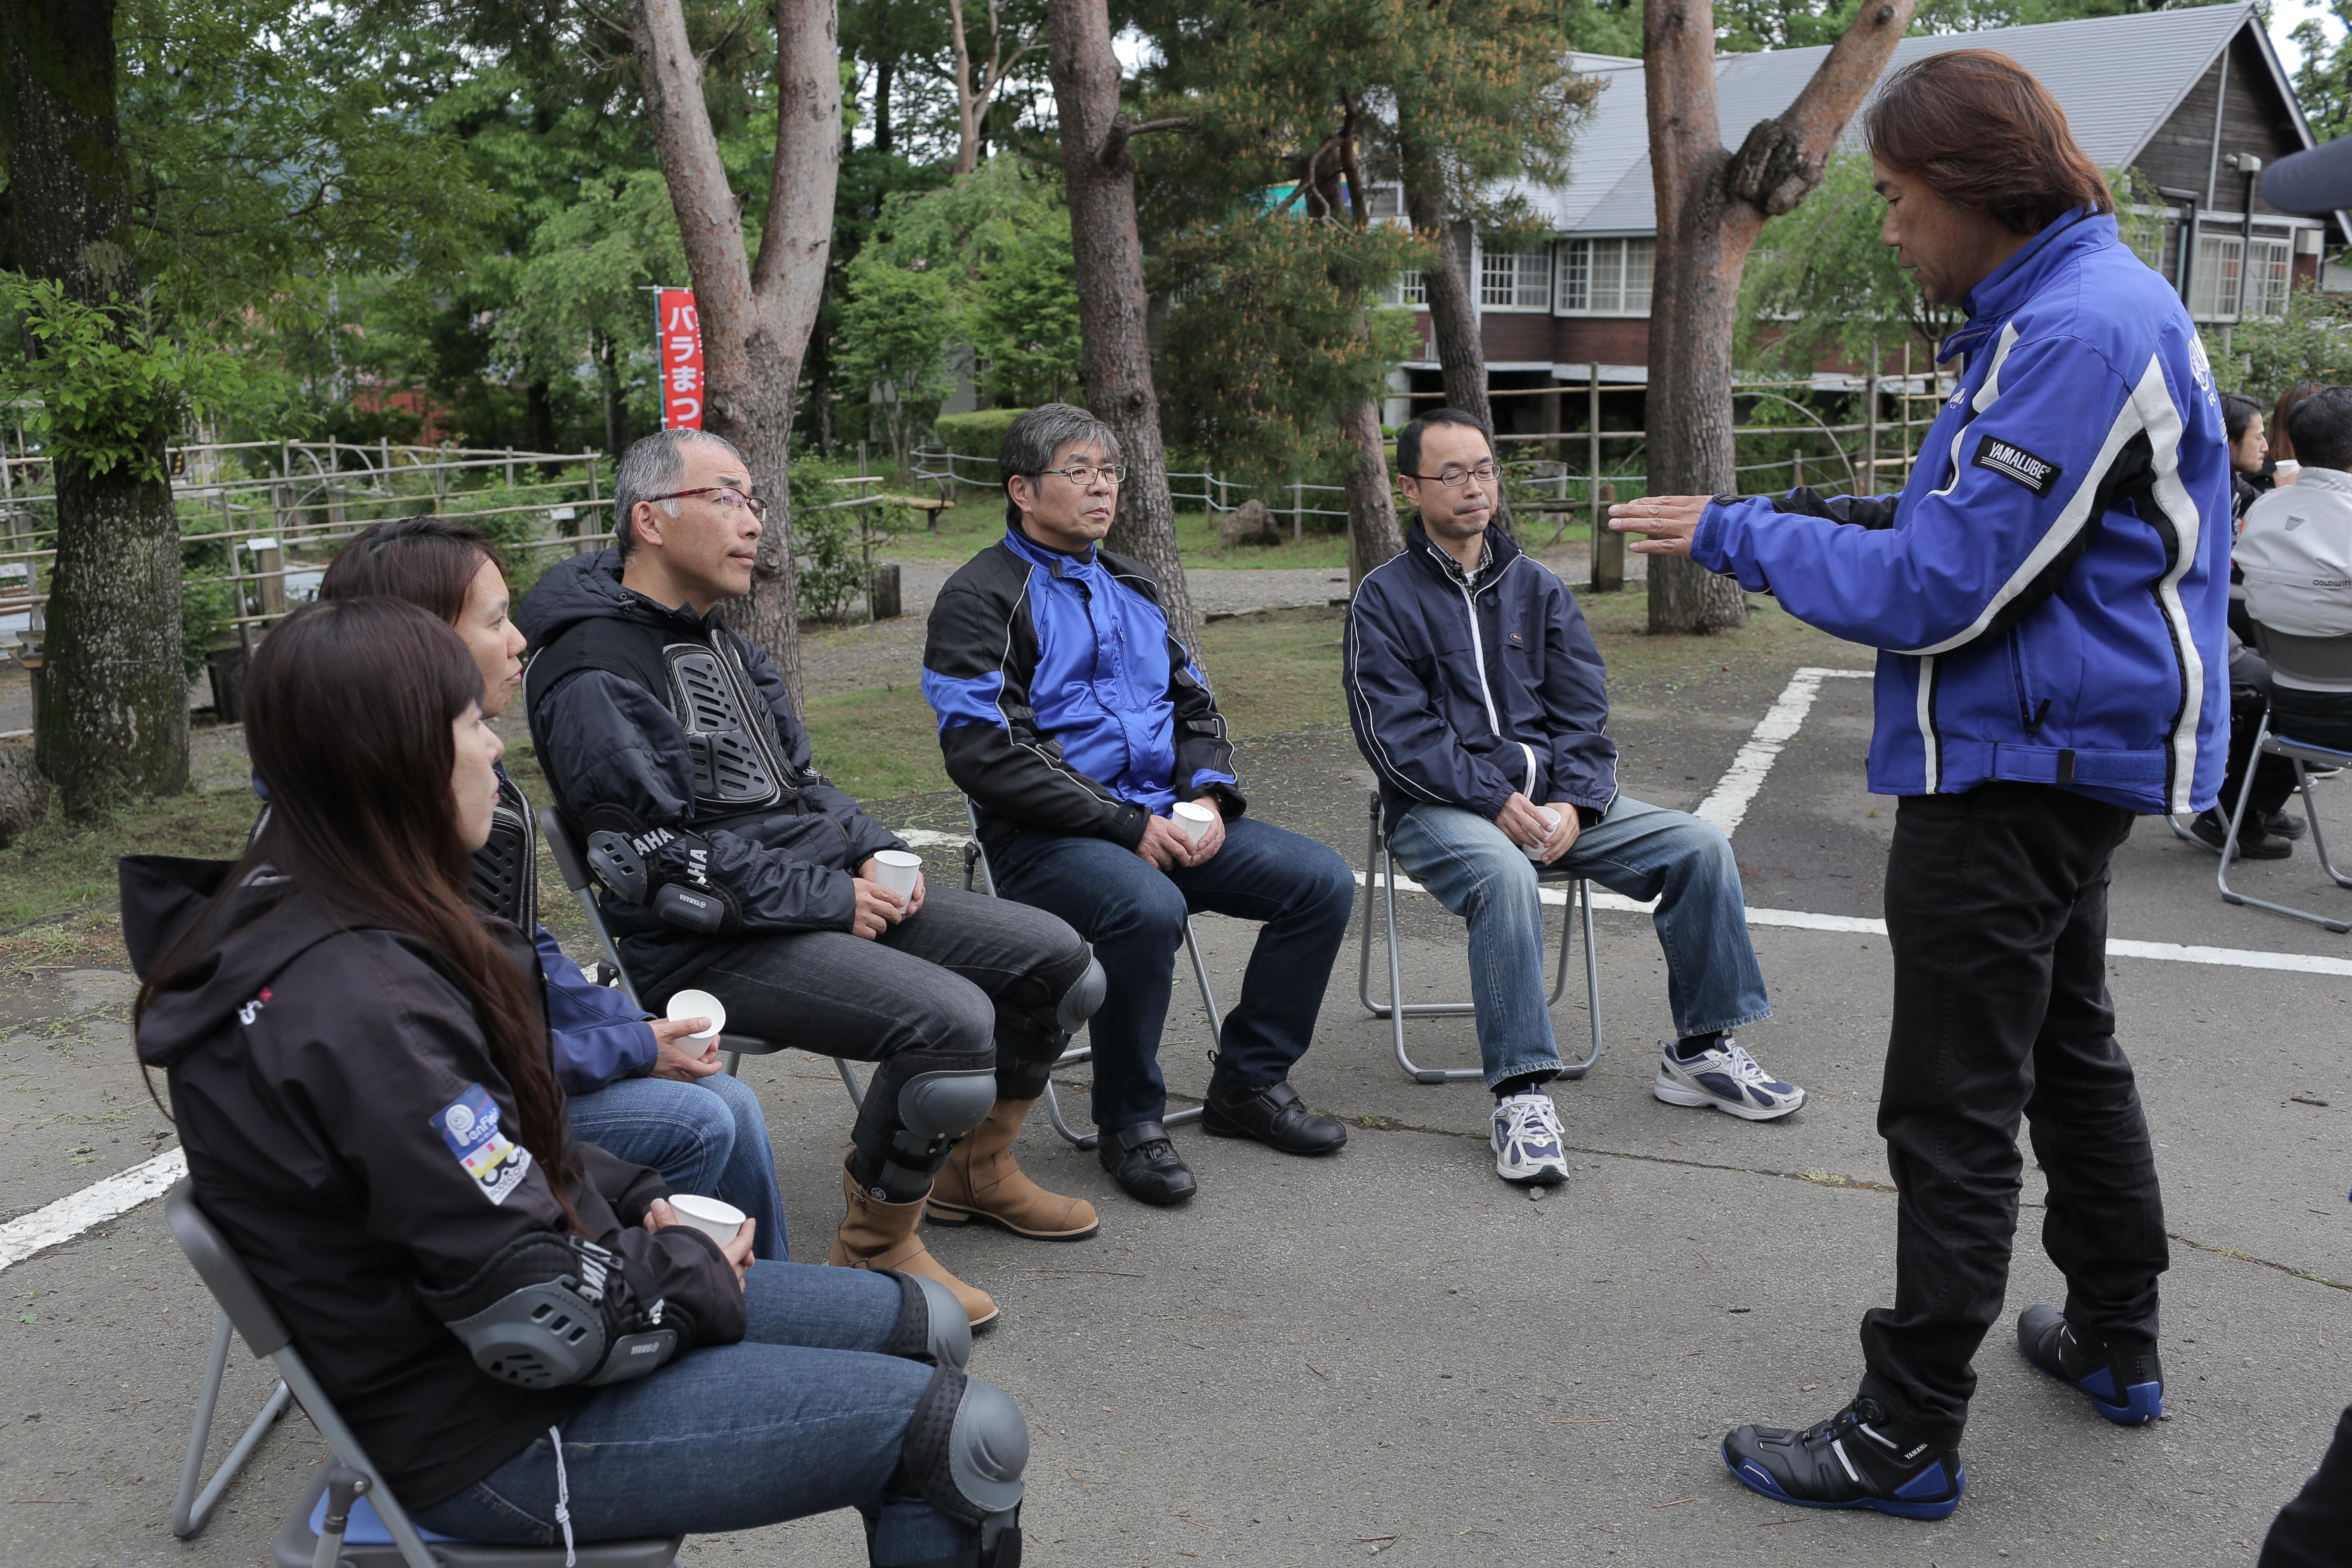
[
  {"x": 1086, "y": 735},
  {"x": 726, "y": 861}
]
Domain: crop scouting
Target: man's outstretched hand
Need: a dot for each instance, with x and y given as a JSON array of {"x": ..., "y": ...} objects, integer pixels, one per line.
[{"x": 1669, "y": 520}]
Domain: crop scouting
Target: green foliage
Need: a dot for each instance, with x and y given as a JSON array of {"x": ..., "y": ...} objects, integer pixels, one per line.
[
  {"x": 106, "y": 386},
  {"x": 897, "y": 329},
  {"x": 834, "y": 545},
  {"x": 2313, "y": 342},
  {"x": 1819, "y": 285},
  {"x": 2323, "y": 83},
  {"x": 1269, "y": 336},
  {"x": 977, "y": 435},
  {"x": 1024, "y": 318}
]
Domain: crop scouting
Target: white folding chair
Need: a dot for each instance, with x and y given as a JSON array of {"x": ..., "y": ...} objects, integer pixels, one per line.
[
  {"x": 2327, "y": 660},
  {"x": 192, "y": 1506},
  {"x": 1379, "y": 882},
  {"x": 360, "y": 1523},
  {"x": 575, "y": 877}
]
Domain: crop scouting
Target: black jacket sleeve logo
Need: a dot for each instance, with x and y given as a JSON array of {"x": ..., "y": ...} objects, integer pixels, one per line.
[{"x": 2010, "y": 462}]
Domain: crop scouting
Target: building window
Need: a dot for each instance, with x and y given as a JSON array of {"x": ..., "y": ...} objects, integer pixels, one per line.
[
  {"x": 1604, "y": 277},
  {"x": 1384, "y": 201},
  {"x": 1408, "y": 290},
  {"x": 2231, "y": 283},
  {"x": 1519, "y": 280}
]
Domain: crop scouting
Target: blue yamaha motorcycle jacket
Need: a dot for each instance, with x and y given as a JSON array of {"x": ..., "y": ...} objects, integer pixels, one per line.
[{"x": 2050, "y": 591}]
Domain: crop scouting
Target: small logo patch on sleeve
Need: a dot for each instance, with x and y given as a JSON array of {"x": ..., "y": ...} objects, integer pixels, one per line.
[
  {"x": 2012, "y": 461},
  {"x": 469, "y": 1125}
]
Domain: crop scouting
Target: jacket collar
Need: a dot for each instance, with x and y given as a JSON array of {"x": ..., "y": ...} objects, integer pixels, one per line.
[
  {"x": 2017, "y": 280},
  {"x": 1054, "y": 561},
  {"x": 2334, "y": 480},
  {"x": 1501, "y": 550}
]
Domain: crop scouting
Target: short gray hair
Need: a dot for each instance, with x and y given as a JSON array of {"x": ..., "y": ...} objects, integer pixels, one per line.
[
  {"x": 1031, "y": 441},
  {"x": 650, "y": 468}
]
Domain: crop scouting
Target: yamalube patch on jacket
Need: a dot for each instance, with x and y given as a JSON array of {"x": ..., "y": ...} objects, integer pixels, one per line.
[
  {"x": 469, "y": 1125},
  {"x": 2012, "y": 461}
]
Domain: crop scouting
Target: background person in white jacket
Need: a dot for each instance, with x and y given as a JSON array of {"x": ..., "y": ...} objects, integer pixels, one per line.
[{"x": 2296, "y": 551}]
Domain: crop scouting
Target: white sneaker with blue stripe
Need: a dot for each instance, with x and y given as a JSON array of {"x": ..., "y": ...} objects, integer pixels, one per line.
[
  {"x": 1725, "y": 1076},
  {"x": 1530, "y": 1146}
]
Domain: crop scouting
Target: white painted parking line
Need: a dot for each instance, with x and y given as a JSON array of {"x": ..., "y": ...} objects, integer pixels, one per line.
[
  {"x": 94, "y": 1205},
  {"x": 1728, "y": 801}
]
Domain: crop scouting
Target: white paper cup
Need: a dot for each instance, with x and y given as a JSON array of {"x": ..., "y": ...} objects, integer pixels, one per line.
[
  {"x": 714, "y": 1219},
  {"x": 1535, "y": 852},
  {"x": 897, "y": 870},
  {"x": 1193, "y": 817},
  {"x": 699, "y": 1005}
]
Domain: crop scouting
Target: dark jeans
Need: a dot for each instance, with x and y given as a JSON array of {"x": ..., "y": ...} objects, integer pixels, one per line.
[
  {"x": 960, "y": 973},
  {"x": 1997, "y": 909},
  {"x": 2316, "y": 718},
  {"x": 803, "y": 1416},
  {"x": 2320, "y": 1513},
  {"x": 2273, "y": 776},
  {"x": 1135, "y": 914}
]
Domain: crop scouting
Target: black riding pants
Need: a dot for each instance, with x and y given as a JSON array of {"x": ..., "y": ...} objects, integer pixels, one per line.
[
  {"x": 2310, "y": 1531},
  {"x": 1997, "y": 909}
]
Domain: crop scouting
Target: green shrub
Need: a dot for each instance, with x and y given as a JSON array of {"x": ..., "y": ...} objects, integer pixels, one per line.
[{"x": 976, "y": 435}]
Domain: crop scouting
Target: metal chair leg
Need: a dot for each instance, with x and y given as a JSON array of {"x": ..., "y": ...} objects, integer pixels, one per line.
[
  {"x": 2238, "y": 816},
  {"x": 191, "y": 1508}
]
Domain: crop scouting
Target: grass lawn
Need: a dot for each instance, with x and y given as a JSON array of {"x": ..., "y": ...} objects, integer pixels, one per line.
[
  {"x": 976, "y": 520},
  {"x": 1273, "y": 673}
]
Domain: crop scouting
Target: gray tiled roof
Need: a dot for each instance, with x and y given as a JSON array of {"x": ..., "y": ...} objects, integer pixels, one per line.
[{"x": 2114, "y": 109}]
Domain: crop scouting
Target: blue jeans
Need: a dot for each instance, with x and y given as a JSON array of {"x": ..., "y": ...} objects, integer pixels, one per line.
[
  {"x": 706, "y": 1137},
  {"x": 1642, "y": 851},
  {"x": 803, "y": 1416},
  {"x": 1134, "y": 914}
]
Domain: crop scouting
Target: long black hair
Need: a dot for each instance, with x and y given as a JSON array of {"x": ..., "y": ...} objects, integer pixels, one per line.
[{"x": 350, "y": 707}]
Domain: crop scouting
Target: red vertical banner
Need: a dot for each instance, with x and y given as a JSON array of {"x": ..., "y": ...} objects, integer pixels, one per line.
[{"x": 678, "y": 353}]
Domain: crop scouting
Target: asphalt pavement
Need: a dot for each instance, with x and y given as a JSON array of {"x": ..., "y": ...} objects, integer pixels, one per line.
[{"x": 1388, "y": 1354}]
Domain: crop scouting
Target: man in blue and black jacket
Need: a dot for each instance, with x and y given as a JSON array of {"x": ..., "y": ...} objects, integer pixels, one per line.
[
  {"x": 1481, "y": 703},
  {"x": 1079, "y": 725},
  {"x": 2050, "y": 593}
]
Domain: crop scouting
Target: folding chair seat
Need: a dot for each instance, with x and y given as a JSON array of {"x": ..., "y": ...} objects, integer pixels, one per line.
[
  {"x": 348, "y": 1515},
  {"x": 575, "y": 877},
  {"x": 1380, "y": 883},
  {"x": 2326, "y": 661},
  {"x": 975, "y": 859}
]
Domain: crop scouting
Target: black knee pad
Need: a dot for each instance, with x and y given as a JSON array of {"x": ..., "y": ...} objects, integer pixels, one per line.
[
  {"x": 965, "y": 1450},
  {"x": 932, "y": 1325}
]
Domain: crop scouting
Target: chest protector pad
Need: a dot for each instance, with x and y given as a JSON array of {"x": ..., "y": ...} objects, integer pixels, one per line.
[
  {"x": 503, "y": 868},
  {"x": 736, "y": 767}
]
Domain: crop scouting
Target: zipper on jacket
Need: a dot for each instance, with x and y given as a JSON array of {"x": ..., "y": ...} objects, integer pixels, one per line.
[
  {"x": 2028, "y": 715},
  {"x": 1478, "y": 655}
]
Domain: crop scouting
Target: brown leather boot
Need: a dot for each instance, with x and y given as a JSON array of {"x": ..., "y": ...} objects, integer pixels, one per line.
[
  {"x": 876, "y": 1234},
  {"x": 980, "y": 1181}
]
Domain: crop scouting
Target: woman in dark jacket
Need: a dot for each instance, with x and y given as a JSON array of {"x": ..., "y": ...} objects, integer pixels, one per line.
[
  {"x": 639, "y": 1087},
  {"x": 360, "y": 1070}
]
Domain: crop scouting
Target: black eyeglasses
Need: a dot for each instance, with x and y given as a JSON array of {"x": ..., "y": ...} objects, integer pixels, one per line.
[
  {"x": 728, "y": 498},
  {"x": 1455, "y": 478}
]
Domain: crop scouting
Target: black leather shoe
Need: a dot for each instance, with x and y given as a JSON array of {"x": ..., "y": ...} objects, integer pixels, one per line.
[
  {"x": 2279, "y": 825},
  {"x": 1273, "y": 1114},
  {"x": 1145, "y": 1164},
  {"x": 2213, "y": 830}
]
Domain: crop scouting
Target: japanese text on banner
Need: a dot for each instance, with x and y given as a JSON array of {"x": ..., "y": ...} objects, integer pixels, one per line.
[{"x": 678, "y": 353}]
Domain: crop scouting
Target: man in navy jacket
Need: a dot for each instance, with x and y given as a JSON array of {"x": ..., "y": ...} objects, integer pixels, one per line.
[
  {"x": 1078, "y": 725},
  {"x": 2049, "y": 594},
  {"x": 1477, "y": 697}
]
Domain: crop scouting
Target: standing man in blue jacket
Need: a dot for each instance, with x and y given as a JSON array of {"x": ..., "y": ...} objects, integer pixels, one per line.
[
  {"x": 1481, "y": 703},
  {"x": 2049, "y": 594},
  {"x": 1077, "y": 722}
]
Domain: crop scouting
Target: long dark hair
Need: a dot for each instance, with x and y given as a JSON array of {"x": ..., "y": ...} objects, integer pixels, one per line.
[
  {"x": 427, "y": 561},
  {"x": 1983, "y": 133},
  {"x": 349, "y": 709}
]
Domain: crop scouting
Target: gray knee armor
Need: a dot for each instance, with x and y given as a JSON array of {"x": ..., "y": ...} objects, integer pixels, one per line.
[
  {"x": 964, "y": 1452},
  {"x": 932, "y": 1111},
  {"x": 1085, "y": 995},
  {"x": 1044, "y": 1035},
  {"x": 552, "y": 1309},
  {"x": 932, "y": 1325}
]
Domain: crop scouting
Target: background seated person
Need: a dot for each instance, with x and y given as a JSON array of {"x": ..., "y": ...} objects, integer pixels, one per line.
[
  {"x": 731, "y": 864},
  {"x": 361, "y": 1076},
  {"x": 2296, "y": 550},
  {"x": 636, "y": 1086},
  {"x": 1475, "y": 693},
  {"x": 1075, "y": 721}
]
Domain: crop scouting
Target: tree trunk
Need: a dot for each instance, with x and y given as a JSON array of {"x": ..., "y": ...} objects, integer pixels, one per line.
[
  {"x": 882, "y": 72},
  {"x": 756, "y": 314},
  {"x": 1453, "y": 307},
  {"x": 1108, "y": 253},
  {"x": 114, "y": 701},
  {"x": 1711, "y": 204},
  {"x": 1373, "y": 533}
]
